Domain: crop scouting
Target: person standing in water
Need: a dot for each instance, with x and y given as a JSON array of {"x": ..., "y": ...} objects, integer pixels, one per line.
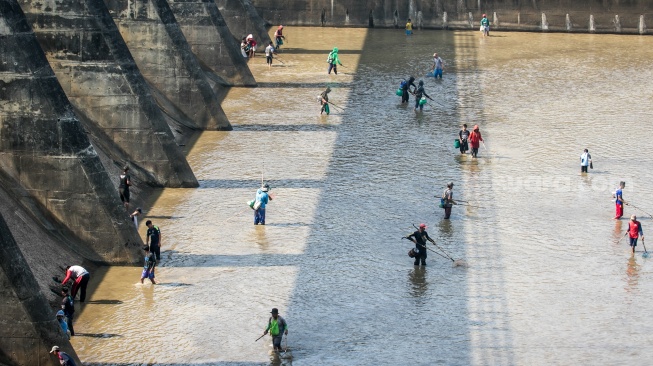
[
  {"x": 485, "y": 25},
  {"x": 419, "y": 94},
  {"x": 333, "y": 61},
  {"x": 148, "y": 267},
  {"x": 619, "y": 201},
  {"x": 420, "y": 237},
  {"x": 261, "y": 200},
  {"x": 585, "y": 161},
  {"x": 277, "y": 327},
  {"x": 325, "y": 101},
  {"x": 463, "y": 136},
  {"x": 278, "y": 36},
  {"x": 153, "y": 239},
  {"x": 269, "y": 54},
  {"x": 475, "y": 140},
  {"x": 447, "y": 200},
  {"x": 405, "y": 89},
  {"x": 437, "y": 66},
  {"x": 409, "y": 27},
  {"x": 634, "y": 231}
]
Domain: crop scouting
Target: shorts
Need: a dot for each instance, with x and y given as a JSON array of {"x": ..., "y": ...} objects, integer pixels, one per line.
[
  {"x": 124, "y": 194},
  {"x": 276, "y": 340},
  {"x": 633, "y": 242},
  {"x": 268, "y": 59},
  {"x": 583, "y": 168},
  {"x": 409, "y": 32},
  {"x": 147, "y": 274}
]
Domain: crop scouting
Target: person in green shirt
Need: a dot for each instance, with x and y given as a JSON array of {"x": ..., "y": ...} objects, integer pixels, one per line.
[
  {"x": 485, "y": 25},
  {"x": 333, "y": 61},
  {"x": 277, "y": 327}
]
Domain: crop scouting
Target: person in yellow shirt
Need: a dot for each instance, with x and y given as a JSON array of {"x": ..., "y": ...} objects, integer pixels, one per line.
[{"x": 409, "y": 27}]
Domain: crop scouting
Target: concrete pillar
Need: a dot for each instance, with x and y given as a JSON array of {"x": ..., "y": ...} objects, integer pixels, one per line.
[
  {"x": 107, "y": 90},
  {"x": 242, "y": 19},
  {"x": 47, "y": 161},
  {"x": 167, "y": 62},
  {"x": 28, "y": 328},
  {"x": 211, "y": 41}
]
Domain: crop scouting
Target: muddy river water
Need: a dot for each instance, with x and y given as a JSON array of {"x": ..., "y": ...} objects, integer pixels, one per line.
[{"x": 547, "y": 282}]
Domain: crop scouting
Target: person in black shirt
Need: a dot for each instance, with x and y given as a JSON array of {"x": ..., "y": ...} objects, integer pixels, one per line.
[
  {"x": 123, "y": 187},
  {"x": 420, "y": 237},
  {"x": 419, "y": 92},
  {"x": 463, "y": 135},
  {"x": 68, "y": 307},
  {"x": 153, "y": 239},
  {"x": 405, "y": 88}
]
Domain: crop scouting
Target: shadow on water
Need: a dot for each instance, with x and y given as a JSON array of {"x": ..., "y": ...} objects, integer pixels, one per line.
[{"x": 104, "y": 302}]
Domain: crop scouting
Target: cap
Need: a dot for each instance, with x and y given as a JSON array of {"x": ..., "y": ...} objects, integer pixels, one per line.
[
  {"x": 274, "y": 311},
  {"x": 422, "y": 226},
  {"x": 60, "y": 313},
  {"x": 484, "y": 15},
  {"x": 633, "y": 217},
  {"x": 476, "y": 127},
  {"x": 55, "y": 348},
  {"x": 435, "y": 54},
  {"x": 450, "y": 184}
]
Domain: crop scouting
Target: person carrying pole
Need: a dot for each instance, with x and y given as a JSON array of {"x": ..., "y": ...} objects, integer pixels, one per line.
[
  {"x": 333, "y": 61},
  {"x": 420, "y": 237},
  {"x": 277, "y": 327},
  {"x": 324, "y": 100},
  {"x": 634, "y": 232},
  {"x": 619, "y": 201},
  {"x": 447, "y": 201}
]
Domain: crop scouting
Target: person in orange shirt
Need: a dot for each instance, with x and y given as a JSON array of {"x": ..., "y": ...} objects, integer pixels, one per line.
[
  {"x": 475, "y": 140},
  {"x": 634, "y": 232}
]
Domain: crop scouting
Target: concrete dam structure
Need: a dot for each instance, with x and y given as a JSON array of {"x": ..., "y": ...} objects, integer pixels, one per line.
[{"x": 87, "y": 87}]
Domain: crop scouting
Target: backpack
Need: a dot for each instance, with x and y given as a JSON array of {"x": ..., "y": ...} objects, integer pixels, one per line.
[{"x": 330, "y": 58}]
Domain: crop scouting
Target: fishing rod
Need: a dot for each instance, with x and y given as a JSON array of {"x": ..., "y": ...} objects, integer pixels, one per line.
[
  {"x": 335, "y": 105},
  {"x": 645, "y": 255},
  {"x": 622, "y": 238},
  {"x": 259, "y": 338},
  {"x": 427, "y": 248},
  {"x": 637, "y": 208},
  {"x": 437, "y": 246}
]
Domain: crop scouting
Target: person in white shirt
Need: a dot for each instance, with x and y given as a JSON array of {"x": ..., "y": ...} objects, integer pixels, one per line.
[
  {"x": 269, "y": 54},
  {"x": 585, "y": 161}
]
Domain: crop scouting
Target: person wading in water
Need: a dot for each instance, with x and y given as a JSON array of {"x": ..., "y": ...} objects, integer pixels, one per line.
[
  {"x": 463, "y": 136},
  {"x": 475, "y": 139},
  {"x": 619, "y": 201},
  {"x": 420, "y": 237},
  {"x": 405, "y": 89},
  {"x": 447, "y": 201},
  {"x": 634, "y": 232},
  {"x": 325, "y": 101},
  {"x": 277, "y": 327},
  {"x": 419, "y": 94}
]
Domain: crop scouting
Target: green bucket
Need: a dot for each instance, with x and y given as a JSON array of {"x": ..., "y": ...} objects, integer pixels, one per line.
[
  {"x": 456, "y": 144},
  {"x": 422, "y": 101},
  {"x": 400, "y": 92}
]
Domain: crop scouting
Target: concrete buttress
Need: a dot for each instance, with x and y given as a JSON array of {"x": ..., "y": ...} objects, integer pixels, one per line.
[
  {"x": 165, "y": 59},
  {"x": 110, "y": 96},
  {"x": 47, "y": 161},
  {"x": 243, "y": 19}
]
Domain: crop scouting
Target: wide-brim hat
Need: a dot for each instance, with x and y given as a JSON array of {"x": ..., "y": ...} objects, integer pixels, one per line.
[
  {"x": 274, "y": 311},
  {"x": 54, "y": 349}
]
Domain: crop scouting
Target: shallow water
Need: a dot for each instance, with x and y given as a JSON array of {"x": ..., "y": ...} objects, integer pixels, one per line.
[{"x": 546, "y": 283}]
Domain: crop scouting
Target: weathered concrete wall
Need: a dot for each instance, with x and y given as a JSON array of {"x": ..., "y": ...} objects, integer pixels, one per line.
[
  {"x": 212, "y": 42},
  {"x": 609, "y": 16},
  {"x": 243, "y": 18},
  {"x": 47, "y": 161},
  {"x": 166, "y": 60},
  {"x": 110, "y": 96},
  {"x": 28, "y": 328}
]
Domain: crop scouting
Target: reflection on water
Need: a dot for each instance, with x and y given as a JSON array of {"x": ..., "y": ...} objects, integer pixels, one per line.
[{"x": 545, "y": 270}]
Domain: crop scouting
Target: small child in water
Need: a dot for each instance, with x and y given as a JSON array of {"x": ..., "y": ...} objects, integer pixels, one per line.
[{"x": 150, "y": 263}]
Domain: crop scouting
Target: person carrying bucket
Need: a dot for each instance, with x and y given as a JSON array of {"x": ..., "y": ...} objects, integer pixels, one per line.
[
  {"x": 262, "y": 199},
  {"x": 446, "y": 201},
  {"x": 420, "y": 237},
  {"x": 463, "y": 136},
  {"x": 420, "y": 95},
  {"x": 333, "y": 61},
  {"x": 405, "y": 89},
  {"x": 634, "y": 232},
  {"x": 475, "y": 140},
  {"x": 324, "y": 100}
]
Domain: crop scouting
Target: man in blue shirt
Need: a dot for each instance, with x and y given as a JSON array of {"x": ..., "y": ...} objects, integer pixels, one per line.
[
  {"x": 262, "y": 199},
  {"x": 619, "y": 201}
]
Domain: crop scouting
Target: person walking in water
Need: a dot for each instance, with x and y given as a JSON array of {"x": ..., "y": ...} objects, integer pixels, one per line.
[
  {"x": 420, "y": 237},
  {"x": 261, "y": 200},
  {"x": 153, "y": 239},
  {"x": 324, "y": 100},
  {"x": 123, "y": 187},
  {"x": 619, "y": 201},
  {"x": 447, "y": 200},
  {"x": 150, "y": 264},
  {"x": 333, "y": 61},
  {"x": 485, "y": 25},
  {"x": 278, "y": 36},
  {"x": 475, "y": 140},
  {"x": 634, "y": 232},
  {"x": 277, "y": 327},
  {"x": 463, "y": 136},
  {"x": 405, "y": 89},
  {"x": 420, "y": 93},
  {"x": 409, "y": 27},
  {"x": 80, "y": 277},
  {"x": 585, "y": 161},
  {"x": 437, "y": 66},
  {"x": 269, "y": 54}
]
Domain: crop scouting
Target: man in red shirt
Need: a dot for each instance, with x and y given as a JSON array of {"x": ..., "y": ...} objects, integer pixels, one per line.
[
  {"x": 634, "y": 232},
  {"x": 475, "y": 139}
]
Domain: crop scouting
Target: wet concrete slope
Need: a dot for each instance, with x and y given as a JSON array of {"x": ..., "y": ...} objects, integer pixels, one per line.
[{"x": 111, "y": 97}]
